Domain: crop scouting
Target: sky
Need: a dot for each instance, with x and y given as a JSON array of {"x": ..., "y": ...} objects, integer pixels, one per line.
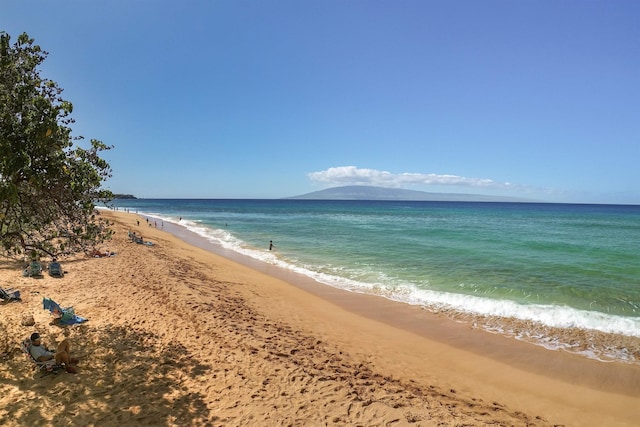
[{"x": 277, "y": 98}]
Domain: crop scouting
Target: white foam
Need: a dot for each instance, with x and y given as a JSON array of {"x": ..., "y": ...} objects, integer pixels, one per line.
[{"x": 549, "y": 315}]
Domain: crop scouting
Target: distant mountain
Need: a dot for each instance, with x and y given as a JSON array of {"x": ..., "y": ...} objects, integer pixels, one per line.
[{"x": 364, "y": 192}]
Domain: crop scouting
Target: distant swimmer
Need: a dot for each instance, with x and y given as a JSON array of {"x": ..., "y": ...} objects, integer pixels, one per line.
[{"x": 270, "y": 244}]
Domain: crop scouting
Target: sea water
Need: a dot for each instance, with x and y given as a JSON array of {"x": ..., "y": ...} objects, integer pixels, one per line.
[{"x": 560, "y": 275}]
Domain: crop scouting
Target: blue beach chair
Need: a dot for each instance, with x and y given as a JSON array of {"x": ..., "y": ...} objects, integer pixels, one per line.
[
  {"x": 55, "y": 269},
  {"x": 10, "y": 294},
  {"x": 65, "y": 316}
]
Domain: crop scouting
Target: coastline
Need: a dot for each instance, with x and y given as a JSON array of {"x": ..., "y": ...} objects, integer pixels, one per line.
[
  {"x": 439, "y": 327},
  {"x": 552, "y": 301},
  {"x": 276, "y": 339}
]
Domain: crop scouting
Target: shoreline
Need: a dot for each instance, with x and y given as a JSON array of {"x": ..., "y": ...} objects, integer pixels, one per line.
[
  {"x": 614, "y": 377},
  {"x": 180, "y": 335},
  {"x": 582, "y": 340}
]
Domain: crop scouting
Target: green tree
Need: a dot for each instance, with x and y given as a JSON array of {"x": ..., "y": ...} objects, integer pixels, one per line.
[{"x": 49, "y": 184}]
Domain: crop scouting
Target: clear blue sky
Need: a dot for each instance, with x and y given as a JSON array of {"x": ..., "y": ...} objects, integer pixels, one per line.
[{"x": 270, "y": 98}]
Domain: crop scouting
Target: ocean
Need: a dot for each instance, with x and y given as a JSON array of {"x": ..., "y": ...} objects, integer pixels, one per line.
[{"x": 563, "y": 276}]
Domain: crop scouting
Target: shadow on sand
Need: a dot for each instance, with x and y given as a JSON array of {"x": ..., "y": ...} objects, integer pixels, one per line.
[{"x": 123, "y": 379}]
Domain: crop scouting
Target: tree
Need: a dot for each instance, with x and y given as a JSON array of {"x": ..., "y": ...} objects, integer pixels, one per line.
[{"x": 49, "y": 184}]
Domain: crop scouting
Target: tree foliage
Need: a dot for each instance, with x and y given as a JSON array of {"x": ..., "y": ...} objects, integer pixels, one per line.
[{"x": 49, "y": 184}]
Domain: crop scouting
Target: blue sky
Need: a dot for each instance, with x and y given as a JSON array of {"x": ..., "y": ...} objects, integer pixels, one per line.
[{"x": 269, "y": 99}]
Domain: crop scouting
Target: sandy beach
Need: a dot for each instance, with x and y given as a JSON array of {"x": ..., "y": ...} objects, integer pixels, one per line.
[{"x": 180, "y": 336}]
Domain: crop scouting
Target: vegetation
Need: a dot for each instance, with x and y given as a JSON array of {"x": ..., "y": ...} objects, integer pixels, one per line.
[{"x": 49, "y": 184}]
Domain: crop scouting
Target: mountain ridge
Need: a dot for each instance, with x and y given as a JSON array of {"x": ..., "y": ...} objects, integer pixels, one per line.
[{"x": 368, "y": 192}]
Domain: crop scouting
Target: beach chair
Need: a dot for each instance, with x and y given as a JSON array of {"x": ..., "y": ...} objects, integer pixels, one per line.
[
  {"x": 55, "y": 269},
  {"x": 47, "y": 367},
  {"x": 10, "y": 294},
  {"x": 34, "y": 269},
  {"x": 65, "y": 316},
  {"x": 139, "y": 240}
]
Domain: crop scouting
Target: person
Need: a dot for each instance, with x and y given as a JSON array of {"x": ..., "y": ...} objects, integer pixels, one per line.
[
  {"x": 61, "y": 355},
  {"x": 33, "y": 269},
  {"x": 270, "y": 244},
  {"x": 99, "y": 254}
]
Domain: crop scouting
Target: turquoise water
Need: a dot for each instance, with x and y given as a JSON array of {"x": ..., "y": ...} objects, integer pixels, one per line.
[{"x": 563, "y": 266}]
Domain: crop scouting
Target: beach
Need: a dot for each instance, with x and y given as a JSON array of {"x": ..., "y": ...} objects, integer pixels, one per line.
[{"x": 180, "y": 336}]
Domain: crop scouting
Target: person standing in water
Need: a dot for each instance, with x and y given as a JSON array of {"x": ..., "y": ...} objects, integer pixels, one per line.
[{"x": 270, "y": 244}]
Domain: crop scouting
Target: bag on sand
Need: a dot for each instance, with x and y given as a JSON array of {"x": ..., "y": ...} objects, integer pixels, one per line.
[{"x": 27, "y": 320}]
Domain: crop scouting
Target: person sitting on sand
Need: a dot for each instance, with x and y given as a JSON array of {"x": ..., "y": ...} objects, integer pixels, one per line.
[
  {"x": 33, "y": 269},
  {"x": 99, "y": 254},
  {"x": 136, "y": 238},
  {"x": 61, "y": 355}
]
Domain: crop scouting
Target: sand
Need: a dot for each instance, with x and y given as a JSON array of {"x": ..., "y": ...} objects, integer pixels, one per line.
[{"x": 180, "y": 336}]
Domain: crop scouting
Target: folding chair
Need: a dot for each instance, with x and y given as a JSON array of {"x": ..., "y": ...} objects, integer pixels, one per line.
[
  {"x": 47, "y": 367},
  {"x": 10, "y": 294},
  {"x": 66, "y": 316},
  {"x": 34, "y": 269},
  {"x": 55, "y": 269}
]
